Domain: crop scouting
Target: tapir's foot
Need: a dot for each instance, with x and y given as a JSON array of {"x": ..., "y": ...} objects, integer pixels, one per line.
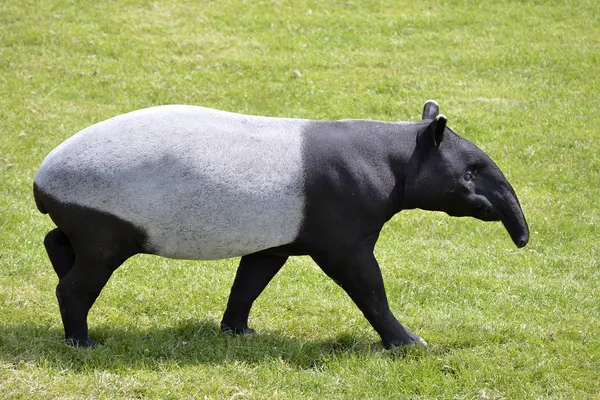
[
  {"x": 237, "y": 330},
  {"x": 81, "y": 342},
  {"x": 422, "y": 342},
  {"x": 413, "y": 342},
  {"x": 407, "y": 338}
]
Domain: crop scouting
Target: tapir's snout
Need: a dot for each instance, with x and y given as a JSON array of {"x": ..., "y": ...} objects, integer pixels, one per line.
[
  {"x": 521, "y": 235},
  {"x": 513, "y": 219}
]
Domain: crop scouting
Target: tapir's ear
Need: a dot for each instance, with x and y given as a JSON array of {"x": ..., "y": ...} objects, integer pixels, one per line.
[
  {"x": 433, "y": 134},
  {"x": 440, "y": 127},
  {"x": 430, "y": 109}
]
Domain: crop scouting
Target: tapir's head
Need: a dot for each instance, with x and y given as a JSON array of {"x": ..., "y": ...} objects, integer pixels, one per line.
[{"x": 455, "y": 176}]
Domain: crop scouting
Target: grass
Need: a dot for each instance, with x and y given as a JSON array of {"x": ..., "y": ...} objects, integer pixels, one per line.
[{"x": 520, "y": 79}]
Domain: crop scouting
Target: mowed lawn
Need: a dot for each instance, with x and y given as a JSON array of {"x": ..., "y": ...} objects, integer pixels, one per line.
[{"x": 519, "y": 79}]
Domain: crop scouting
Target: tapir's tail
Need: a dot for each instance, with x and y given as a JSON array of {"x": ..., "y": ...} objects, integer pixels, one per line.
[{"x": 38, "y": 200}]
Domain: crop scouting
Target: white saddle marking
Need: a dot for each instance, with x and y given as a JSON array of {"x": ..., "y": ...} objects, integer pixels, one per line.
[{"x": 202, "y": 183}]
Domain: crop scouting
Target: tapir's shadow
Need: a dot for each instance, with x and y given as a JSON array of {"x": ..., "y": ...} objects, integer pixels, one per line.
[{"x": 190, "y": 342}]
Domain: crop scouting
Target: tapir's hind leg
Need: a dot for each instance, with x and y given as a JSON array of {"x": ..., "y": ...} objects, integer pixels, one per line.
[
  {"x": 85, "y": 249},
  {"x": 254, "y": 273},
  {"x": 359, "y": 275},
  {"x": 60, "y": 252},
  {"x": 77, "y": 291},
  {"x": 98, "y": 253}
]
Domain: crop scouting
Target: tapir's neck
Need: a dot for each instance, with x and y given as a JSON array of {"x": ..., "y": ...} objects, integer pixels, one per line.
[
  {"x": 367, "y": 162},
  {"x": 404, "y": 162}
]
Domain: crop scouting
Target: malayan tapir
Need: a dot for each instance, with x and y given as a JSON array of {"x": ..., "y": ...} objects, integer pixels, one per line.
[{"x": 189, "y": 182}]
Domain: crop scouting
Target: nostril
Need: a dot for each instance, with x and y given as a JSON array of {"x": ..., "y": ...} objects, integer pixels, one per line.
[{"x": 522, "y": 243}]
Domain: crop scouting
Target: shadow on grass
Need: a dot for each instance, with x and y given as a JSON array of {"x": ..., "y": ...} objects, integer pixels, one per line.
[{"x": 188, "y": 343}]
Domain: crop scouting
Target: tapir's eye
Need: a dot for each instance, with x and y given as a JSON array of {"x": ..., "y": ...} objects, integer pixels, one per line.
[{"x": 469, "y": 176}]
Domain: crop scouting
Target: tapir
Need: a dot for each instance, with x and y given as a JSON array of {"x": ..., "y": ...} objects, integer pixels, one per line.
[{"x": 188, "y": 182}]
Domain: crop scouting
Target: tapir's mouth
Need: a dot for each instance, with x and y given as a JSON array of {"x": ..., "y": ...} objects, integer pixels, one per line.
[{"x": 487, "y": 214}]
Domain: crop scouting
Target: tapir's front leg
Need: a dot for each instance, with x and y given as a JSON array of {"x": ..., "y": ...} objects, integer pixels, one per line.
[
  {"x": 254, "y": 273},
  {"x": 359, "y": 275}
]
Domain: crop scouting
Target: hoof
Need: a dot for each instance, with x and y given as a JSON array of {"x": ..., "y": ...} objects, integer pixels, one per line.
[
  {"x": 237, "y": 331},
  {"x": 420, "y": 342},
  {"x": 413, "y": 341},
  {"x": 81, "y": 343}
]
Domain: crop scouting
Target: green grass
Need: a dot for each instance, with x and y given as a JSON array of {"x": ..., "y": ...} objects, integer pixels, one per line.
[{"x": 520, "y": 79}]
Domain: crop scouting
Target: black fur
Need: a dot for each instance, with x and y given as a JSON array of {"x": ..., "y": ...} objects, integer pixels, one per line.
[
  {"x": 355, "y": 174},
  {"x": 84, "y": 250}
]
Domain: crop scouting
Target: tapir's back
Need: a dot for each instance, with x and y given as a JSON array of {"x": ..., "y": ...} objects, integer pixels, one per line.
[{"x": 200, "y": 183}]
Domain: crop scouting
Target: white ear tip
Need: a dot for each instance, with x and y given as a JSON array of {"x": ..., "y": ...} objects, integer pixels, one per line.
[
  {"x": 441, "y": 116},
  {"x": 430, "y": 101}
]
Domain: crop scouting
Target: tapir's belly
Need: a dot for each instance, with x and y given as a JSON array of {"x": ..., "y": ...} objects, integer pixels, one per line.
[{"x": 201, "y": 183}]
